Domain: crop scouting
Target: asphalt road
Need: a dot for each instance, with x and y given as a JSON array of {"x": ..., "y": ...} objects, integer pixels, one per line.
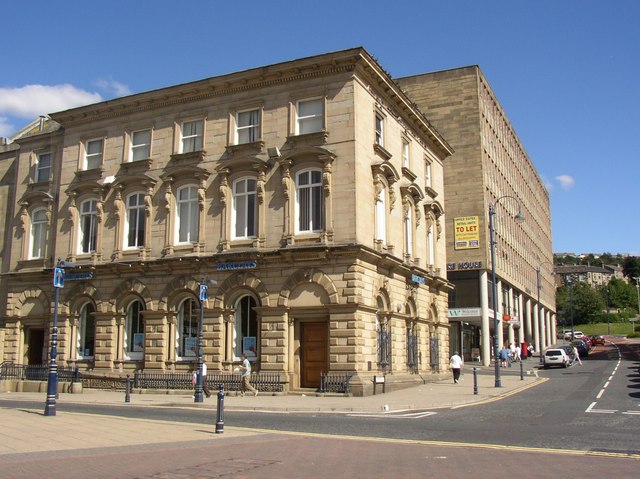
[{"x": 593, "y": 407}]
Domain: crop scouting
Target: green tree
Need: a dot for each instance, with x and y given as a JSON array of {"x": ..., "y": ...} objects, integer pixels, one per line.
[
  {"x": 587, "y": 304},
  {"x": 619, "y": 294},
  {"x": 631, "y": 267}
]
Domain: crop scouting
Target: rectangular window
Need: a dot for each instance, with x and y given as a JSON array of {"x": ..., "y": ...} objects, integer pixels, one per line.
[
  {"x": 431, "y": 246},
  {"x": 140, "y": 145},
  {"x": 381, "y": 215},
  {"x": 408, "y": 234},
  {"x": 192, "y": 135},
  {"x": 43, "y": 167},
  {"x": 379, "y": 130},
  {"x": 93, "y": 154},
  {"x": 309, "y": 116},
  {"x": 38, "y": 233},
  {"x": 247, "y": 126},
  {"x": 427, "y": 174},
  {"x": 405, "y": 153},
  {"x": 88, "y": 226},
  {"x": 244, "y": 208},
  {"x": 309, "y": 201},
  {"x": 188, "y": 211},
  {"x": 135, "y": 220}
]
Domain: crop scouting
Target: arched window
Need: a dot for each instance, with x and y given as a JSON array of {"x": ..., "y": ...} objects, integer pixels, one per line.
[
  {"x": 431, "y": 245},
  {"x": 86, "y": 331},
  {"x": 408, "y": 233},
  {"x": 88, "y": 226},
  {"x": 38, "y": 233},
  {"x": 383, "y": 337},
  {"x": 244, "y": 208},
  {"x": 187, "y": 329},
  {"x": 381, "y": 214},
  {"x": 245, "y": 337},
  {"x": 309, "y": 202},
  {"x": 135, "y": 220},
  {"x": 188, "y": 214},
  {"x": 134, "y": 331}
]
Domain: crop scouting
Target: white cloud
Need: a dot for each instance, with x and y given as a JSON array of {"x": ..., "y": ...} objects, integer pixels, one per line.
[
  {"x": 6, "y": 128},
  {"x": 566, "y": 181},
  {"x": 31, "y": 101},
  {"x": 113, "y": 87}
]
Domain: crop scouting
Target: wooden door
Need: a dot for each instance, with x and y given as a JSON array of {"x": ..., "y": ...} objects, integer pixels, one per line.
[{"x": 314, "y": 353}]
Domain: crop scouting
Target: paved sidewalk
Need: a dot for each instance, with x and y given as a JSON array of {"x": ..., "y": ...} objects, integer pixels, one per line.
[{"x": 28, "y": 430}]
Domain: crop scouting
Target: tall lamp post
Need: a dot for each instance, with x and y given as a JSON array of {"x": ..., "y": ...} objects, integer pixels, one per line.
[
  {"x": 540, "y": 319},
  {"x": 52, "y": 381},
  {"x": 496, "y": 324},
  {"x": 570, "y": 281},
  {"x": 637, "y": 278},
  {"x": 203, "y": 296}
]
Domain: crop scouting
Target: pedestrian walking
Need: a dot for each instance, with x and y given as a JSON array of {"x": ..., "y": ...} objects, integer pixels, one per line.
[
  {"x": 205, "y": 388},
  {"x": 456, "y": 364},
  {"x": 575, "y": 356},
  {"x": 504, "y": 357},
  {"x": 246, "y": 375}
]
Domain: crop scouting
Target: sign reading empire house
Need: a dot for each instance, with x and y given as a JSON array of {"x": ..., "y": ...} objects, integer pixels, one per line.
[{"x": 466, "y": 232}]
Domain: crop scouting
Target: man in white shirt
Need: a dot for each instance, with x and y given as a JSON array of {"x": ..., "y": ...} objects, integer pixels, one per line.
[
  {"x": 456, "y": 364},
  {"x": 246, "y": 375},
  {"x": 205, "y": 388}
]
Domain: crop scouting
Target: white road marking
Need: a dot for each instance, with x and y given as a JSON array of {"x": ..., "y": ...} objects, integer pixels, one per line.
[
  {"x": 635, "y": 413},
  {"x": 600, "y": 394},
  {"x": 415, "y": 415}
]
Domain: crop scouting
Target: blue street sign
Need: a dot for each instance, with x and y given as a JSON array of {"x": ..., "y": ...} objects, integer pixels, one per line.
[
  {"x": 58, "y": 278},
  {"x": 203, "y": 292},
  {"x": 78, "y": 276}
]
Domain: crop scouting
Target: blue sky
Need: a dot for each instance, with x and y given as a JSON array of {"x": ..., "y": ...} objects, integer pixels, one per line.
[{"x": 567, "y": 72}]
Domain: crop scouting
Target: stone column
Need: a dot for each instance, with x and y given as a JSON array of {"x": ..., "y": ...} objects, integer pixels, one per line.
[
  {"x": 498, "y": 304},
  {"x": 527, "y": 324},
  {"x": 485, "y": 331}
]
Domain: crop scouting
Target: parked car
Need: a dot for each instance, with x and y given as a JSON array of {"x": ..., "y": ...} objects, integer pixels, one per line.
[
  {"x": 583, "y": 352},
  {"x": 555, "y": 357},
  {"x": 597, "y": 339},
  {"x": 577, "y": 334},
  {"x": 567, "y": 349}
]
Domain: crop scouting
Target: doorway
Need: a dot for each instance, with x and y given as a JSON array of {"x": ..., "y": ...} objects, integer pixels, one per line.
[
  {"x": 314, "y": 343},
  {"x": 35, "y": 346}
]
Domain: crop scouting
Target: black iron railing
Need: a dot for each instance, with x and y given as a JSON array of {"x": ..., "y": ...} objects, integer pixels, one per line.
[
  {"x": 262, "y": 381},
  {"x": 39, "y": 372},
  {"x": 333, "y": 382}
]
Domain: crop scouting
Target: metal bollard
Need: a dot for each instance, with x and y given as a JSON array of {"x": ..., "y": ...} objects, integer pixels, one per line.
[
  {"x": 475, "y": 381},
  {"x": 220, "y": 414},
  {"x": 521, "y": 371},
  {"x": 127, "y": 390}
]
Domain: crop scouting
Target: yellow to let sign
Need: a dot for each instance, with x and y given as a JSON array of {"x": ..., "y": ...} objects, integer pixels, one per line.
[{"x": 466, "y": 232}]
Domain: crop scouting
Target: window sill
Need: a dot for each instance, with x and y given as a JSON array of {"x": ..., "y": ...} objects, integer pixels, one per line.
[
  {"x": 382, "y": 152},
  {"x": 89, "y": 175},
  {"x": 190, "y": 158},
  {"x": 241, "y": 149},
  {"x": 318, "y": 137}
]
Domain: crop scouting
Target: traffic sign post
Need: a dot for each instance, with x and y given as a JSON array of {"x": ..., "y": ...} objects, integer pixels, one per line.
[{"x": 52, "y": 382}]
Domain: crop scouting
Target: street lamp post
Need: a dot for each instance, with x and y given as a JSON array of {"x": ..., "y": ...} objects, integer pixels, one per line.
[
  {"x": 570, "y": 281},
  {"x": 203, "y": 296},
  {"x": 496, "y": 324},
  {"x": 52, "y": 381},
  {"x": 637, "y": 278}
]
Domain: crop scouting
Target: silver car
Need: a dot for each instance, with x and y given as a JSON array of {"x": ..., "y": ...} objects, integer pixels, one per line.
[{"x": 555, "y": 357}]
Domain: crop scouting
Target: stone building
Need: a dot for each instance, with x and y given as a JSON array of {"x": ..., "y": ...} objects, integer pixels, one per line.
[
  {"x": 311, "y": 191},
  {"x": 490, "y": 168}
]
